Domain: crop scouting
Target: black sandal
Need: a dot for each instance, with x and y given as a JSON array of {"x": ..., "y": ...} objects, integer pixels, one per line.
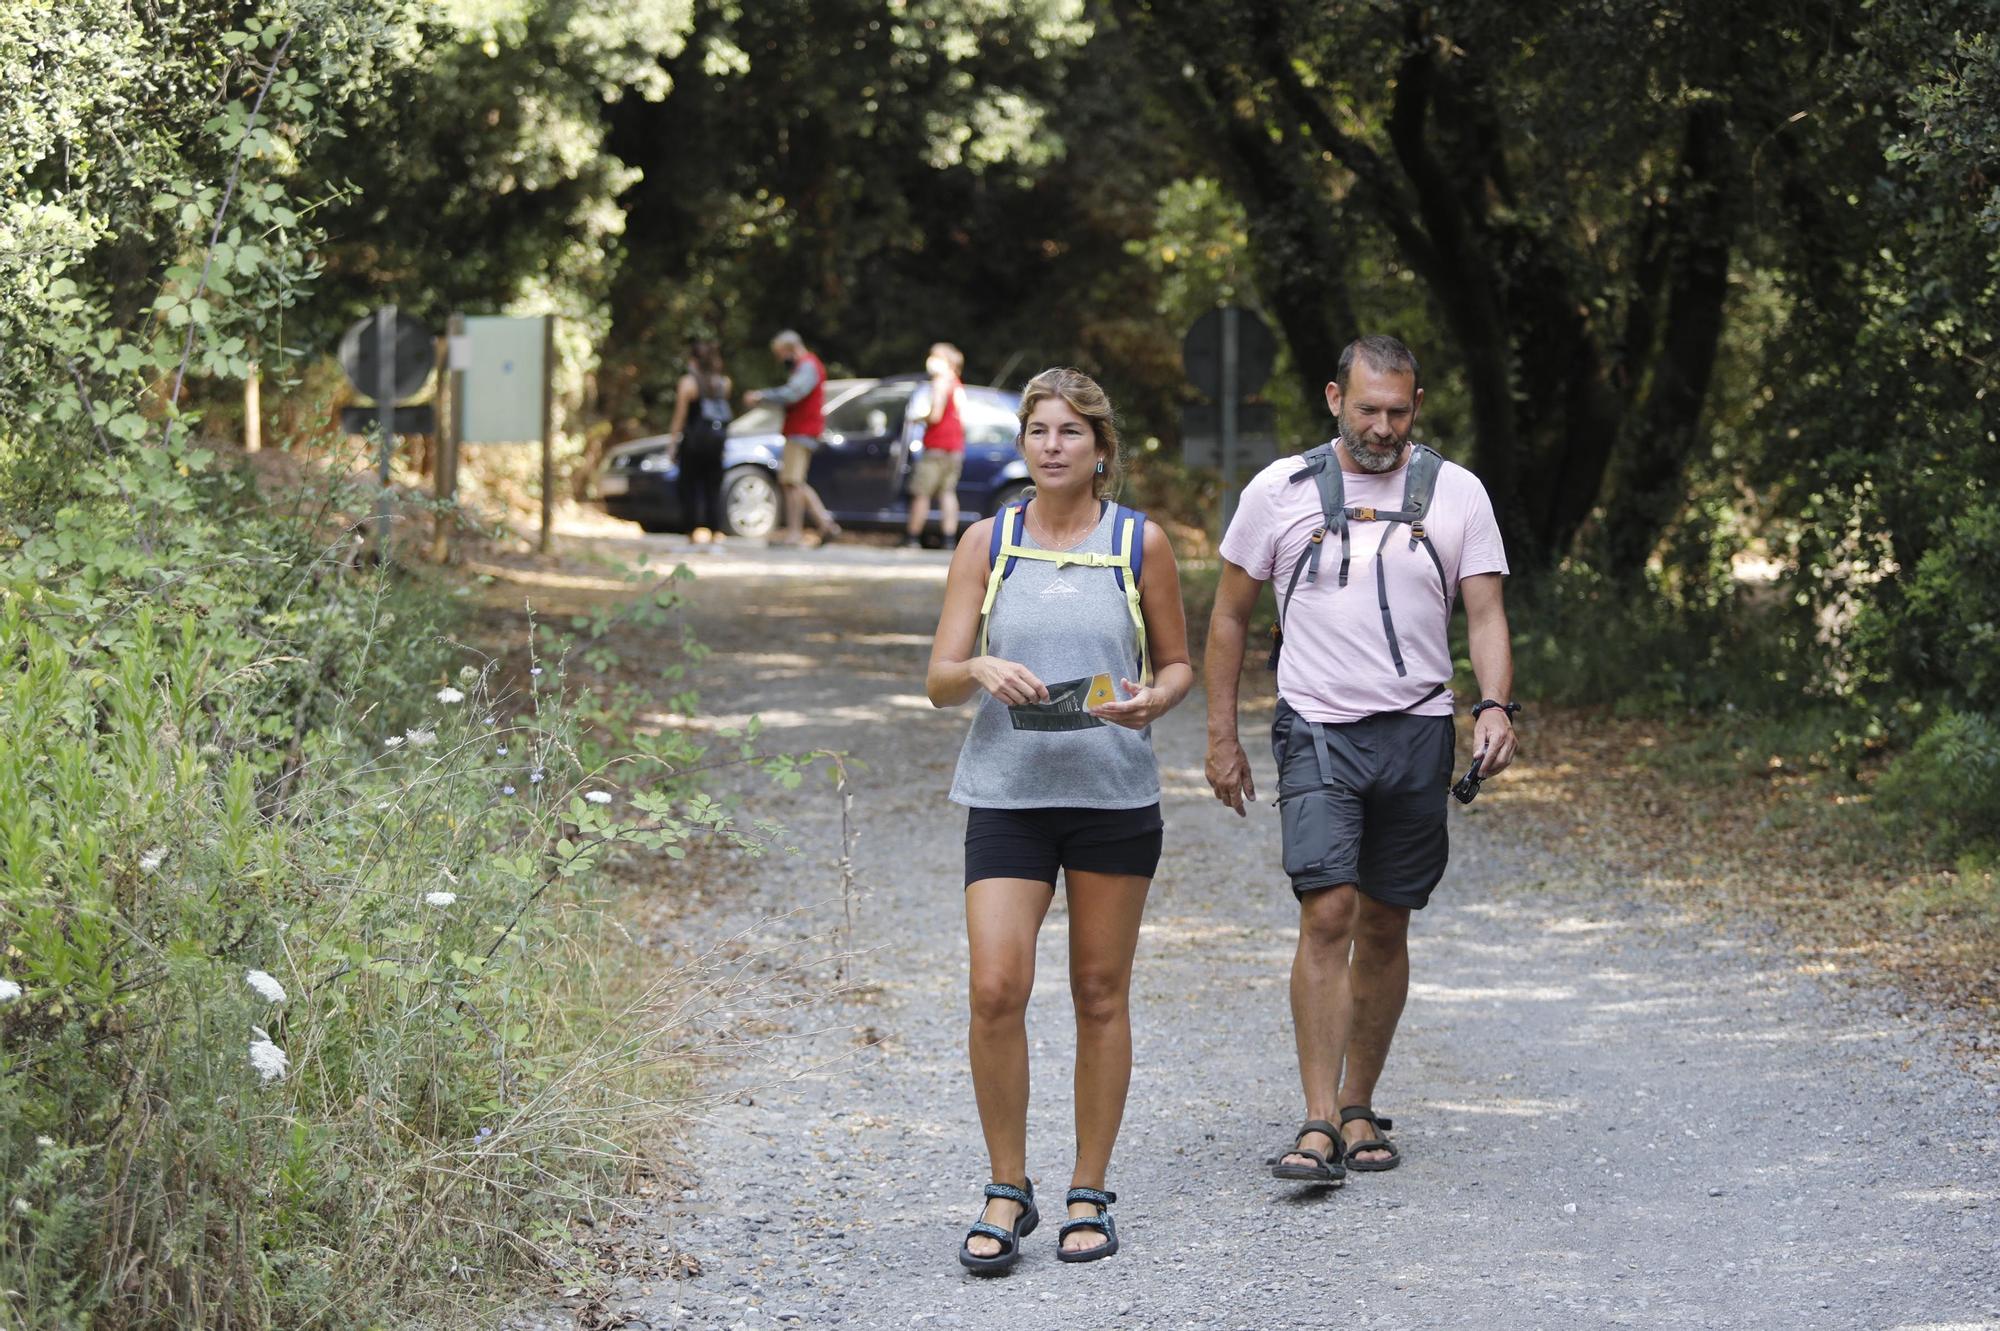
[
  {"x": 1354, "y": 1114},
  {"x": 1329, "y": 1168},
  {"x": 1100, "y": 1222},
  {"x": 1009, "y": 1239}
]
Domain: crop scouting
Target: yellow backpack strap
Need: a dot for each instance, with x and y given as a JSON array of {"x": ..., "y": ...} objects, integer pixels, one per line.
[
  {"x": 1131, "y": 528},
  {"x": 1001, "y": 555}
]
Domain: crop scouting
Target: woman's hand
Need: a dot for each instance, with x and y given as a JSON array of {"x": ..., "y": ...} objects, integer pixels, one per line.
[
  {"x": 1140, "y": 707},
  {"x": 1009, "y": 681}
]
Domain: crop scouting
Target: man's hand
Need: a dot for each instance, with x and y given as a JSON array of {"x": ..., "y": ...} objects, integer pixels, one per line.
[
  {"x": 1493, "y": 735},
  {"x": 1228, "y": 772},
  {"x": 752, "y": 398}
]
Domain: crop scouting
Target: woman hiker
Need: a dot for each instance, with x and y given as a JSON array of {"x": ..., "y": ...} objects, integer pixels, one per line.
[
  {"x": 1045, "y": 605},
  {"x": 700, "y": 428}
]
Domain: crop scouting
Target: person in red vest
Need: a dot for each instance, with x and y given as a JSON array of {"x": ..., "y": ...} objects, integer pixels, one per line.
[
  {"x": 939, "y": 465},
  {"x": 803, "y": 396}
]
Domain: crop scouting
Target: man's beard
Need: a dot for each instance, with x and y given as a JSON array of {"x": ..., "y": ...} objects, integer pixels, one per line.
[{"x": 1368, "y": 459}]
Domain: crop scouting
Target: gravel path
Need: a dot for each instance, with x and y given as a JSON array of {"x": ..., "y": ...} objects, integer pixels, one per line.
[{"x": 1611, "y": 1116}]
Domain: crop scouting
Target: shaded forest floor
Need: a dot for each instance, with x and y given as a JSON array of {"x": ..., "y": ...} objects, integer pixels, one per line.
[{"x": 1637, "y": 798}]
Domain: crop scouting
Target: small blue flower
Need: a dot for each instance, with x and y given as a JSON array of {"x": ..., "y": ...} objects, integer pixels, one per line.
[{"x": 506, "y": 790}]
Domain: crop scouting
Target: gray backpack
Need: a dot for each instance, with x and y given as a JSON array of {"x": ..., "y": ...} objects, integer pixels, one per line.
[{"x": 1419, "y": 481}]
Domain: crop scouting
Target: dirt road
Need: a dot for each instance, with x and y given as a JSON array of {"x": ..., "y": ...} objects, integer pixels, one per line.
[{"x": 1611, "y": 1115}]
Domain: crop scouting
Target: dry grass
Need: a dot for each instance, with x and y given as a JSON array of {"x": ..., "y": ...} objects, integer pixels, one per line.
[{"x": 1791, "y": 847}]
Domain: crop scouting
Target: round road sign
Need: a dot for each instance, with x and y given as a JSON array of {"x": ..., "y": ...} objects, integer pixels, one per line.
[
  {"x": 416, "y": 354},
  {"x": 1201, "y": 352}
]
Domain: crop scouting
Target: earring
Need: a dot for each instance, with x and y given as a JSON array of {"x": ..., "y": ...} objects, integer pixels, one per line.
[{"x": 1100, "y": 468}]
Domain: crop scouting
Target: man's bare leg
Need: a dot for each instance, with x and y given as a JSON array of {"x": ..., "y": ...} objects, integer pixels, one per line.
[
  {"x": 1379, "y": 982},
  {"x": 1320, "y": 1003}
]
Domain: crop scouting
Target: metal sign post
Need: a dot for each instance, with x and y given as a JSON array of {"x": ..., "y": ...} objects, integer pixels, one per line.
[
  {"x": 385, "y": 399},
  {"x": 1228, "y": 354}
]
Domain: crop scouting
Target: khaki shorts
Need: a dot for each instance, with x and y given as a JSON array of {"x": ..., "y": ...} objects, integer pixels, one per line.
[
  {"x": 792, "y": 466},
  {"x": 937, "y": 474}
]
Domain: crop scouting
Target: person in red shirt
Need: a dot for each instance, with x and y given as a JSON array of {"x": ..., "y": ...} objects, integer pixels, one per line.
[
  {"x": 943, "y": 458},
  {"x": 803, "y": 396}
]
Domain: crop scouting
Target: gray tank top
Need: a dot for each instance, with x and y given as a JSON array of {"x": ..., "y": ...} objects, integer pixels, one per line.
[{"x": 1061, "y": 623}]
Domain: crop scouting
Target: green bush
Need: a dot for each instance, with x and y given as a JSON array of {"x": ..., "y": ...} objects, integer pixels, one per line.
[
  {"x": 310, "y": 1011},
  {"x": 1946, "y": 789}
]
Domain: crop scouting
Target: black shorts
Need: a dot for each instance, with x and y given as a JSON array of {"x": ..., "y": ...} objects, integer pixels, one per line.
[
  {"x": 1034, "y": 843},
  {"x": 1365, "y": 803}
]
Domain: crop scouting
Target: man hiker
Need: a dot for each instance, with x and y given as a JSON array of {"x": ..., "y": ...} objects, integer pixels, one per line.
[
  {"x": 1368, "y": 539},
  {"x": 803, "y": 396}
]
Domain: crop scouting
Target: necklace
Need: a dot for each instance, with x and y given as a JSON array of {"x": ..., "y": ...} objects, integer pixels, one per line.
[{"x": 1049, "y": 539}]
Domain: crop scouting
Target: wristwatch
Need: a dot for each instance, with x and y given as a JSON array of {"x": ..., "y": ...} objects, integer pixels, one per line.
[{"x": 1485, "y": 704}]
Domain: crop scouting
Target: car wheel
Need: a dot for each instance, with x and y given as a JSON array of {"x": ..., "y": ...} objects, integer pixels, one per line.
[{"x": 750, "y": 501}]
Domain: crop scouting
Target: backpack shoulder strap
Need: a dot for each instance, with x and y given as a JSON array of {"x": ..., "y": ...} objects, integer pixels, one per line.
[
  {"x": 1128, "y": 551},
  {"x": 1007, "y": 528},
  {"x": 1419, "y": 488}
]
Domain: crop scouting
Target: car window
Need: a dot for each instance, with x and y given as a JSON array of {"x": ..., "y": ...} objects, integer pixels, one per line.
[
  {"x": 988, "y": 424},
  {"x": 876, "y": 411}
]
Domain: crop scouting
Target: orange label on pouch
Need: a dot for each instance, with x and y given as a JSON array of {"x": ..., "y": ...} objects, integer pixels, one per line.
[{"x": 1100, "y": 692}]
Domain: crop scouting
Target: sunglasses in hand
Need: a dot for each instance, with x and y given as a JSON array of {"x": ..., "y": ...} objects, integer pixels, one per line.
[{"x": 1467, "y": 788}]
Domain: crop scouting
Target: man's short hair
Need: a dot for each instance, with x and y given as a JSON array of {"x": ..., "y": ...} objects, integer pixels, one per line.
[
  {"x": 1384, "y": 354},
  {"x": 788, "y": 338}
]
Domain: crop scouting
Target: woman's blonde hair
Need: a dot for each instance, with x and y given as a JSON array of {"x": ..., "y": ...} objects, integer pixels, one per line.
[{"x": 1087, "y": 400}]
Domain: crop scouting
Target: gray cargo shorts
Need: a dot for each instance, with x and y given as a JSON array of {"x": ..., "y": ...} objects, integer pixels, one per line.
[{"x": 1364, "y": 802}]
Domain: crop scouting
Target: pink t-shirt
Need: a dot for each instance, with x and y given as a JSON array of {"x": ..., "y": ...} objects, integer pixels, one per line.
[{"x": 1336, "y": 665}]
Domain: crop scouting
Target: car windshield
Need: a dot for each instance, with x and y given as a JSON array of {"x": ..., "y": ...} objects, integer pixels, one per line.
[
  {"x": 988, "y": 423},
  {"x": 758, "y": 420},
  {"x": 877, "y": 411}
]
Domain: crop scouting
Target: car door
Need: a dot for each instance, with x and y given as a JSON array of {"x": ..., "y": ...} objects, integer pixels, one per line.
[{"x": 857, "y": 470}]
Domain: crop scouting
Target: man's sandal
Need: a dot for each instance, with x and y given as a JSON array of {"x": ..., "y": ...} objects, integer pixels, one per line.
[
  {"x": 1101, "y": 1222},
  {"x": 1354, "y": 1114},
  {"x": 1008, "y": 1239},
  {"x": 1328, "y": 1168}
]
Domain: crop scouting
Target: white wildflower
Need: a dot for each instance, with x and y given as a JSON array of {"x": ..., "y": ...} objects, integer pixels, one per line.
[
  {"x": 269, "y": 1060},
  {"x": 381, "y": 806},
  {"x": 45, "y": 1142},
  {"x": 420, "y": 738},
  {"x": 490, "y": 721},
  {"x": 506, "y": 790},
  {"x": 449, "y": 694},
  {"x": 535, "y": 777},
  {"x": 267, "y": 985},
  {"x": 467, "y": 672},
  {"x": 599, "y": 797},
  {"x": 440, "y": 898},
  {"x": 21, "y": 1206},
  {"x": 9, "y": 991},
  {"x": 502, "y": 751},
  {"x": 393, "y": 742},
  {"x": 153, "y": 859},
  {"x": 535, "y": 671}
]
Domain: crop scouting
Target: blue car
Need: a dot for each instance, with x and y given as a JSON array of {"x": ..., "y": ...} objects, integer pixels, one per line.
[{"x": 874, "y": 431}]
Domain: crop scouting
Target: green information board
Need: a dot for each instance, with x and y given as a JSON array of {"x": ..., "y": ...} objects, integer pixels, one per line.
[{"x": 506, "y": 377}]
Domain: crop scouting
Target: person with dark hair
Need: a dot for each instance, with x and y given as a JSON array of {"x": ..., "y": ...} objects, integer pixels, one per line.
[
  {"x": 700, "y": 428},
  {"x": 1363, "y": 738},
  {"x": 1046, "y": 604}
]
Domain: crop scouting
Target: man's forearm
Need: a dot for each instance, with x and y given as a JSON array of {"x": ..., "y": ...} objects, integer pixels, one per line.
[
  {"x": 1492, "y": 652},
  {"x": 1222, "y": 664}
]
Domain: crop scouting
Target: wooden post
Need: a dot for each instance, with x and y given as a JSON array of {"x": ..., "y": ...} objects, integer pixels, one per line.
[
  {"x": 253, "y": 409},
  {"x": 451, "y": 391},
  {"x": 548, "y": 428}
]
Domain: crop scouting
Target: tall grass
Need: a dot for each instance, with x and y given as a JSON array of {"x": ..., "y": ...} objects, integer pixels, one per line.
[{"x": 312, "y": 1011}]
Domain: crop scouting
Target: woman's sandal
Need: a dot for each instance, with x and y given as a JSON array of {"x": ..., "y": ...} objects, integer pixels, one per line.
[
  {"x": 1009, "y": 1239},
  {"x": 1328, "y": 1168},
  {"x": 1101, "y": 1222},
  {"x": 1355, "y": 1113}
]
